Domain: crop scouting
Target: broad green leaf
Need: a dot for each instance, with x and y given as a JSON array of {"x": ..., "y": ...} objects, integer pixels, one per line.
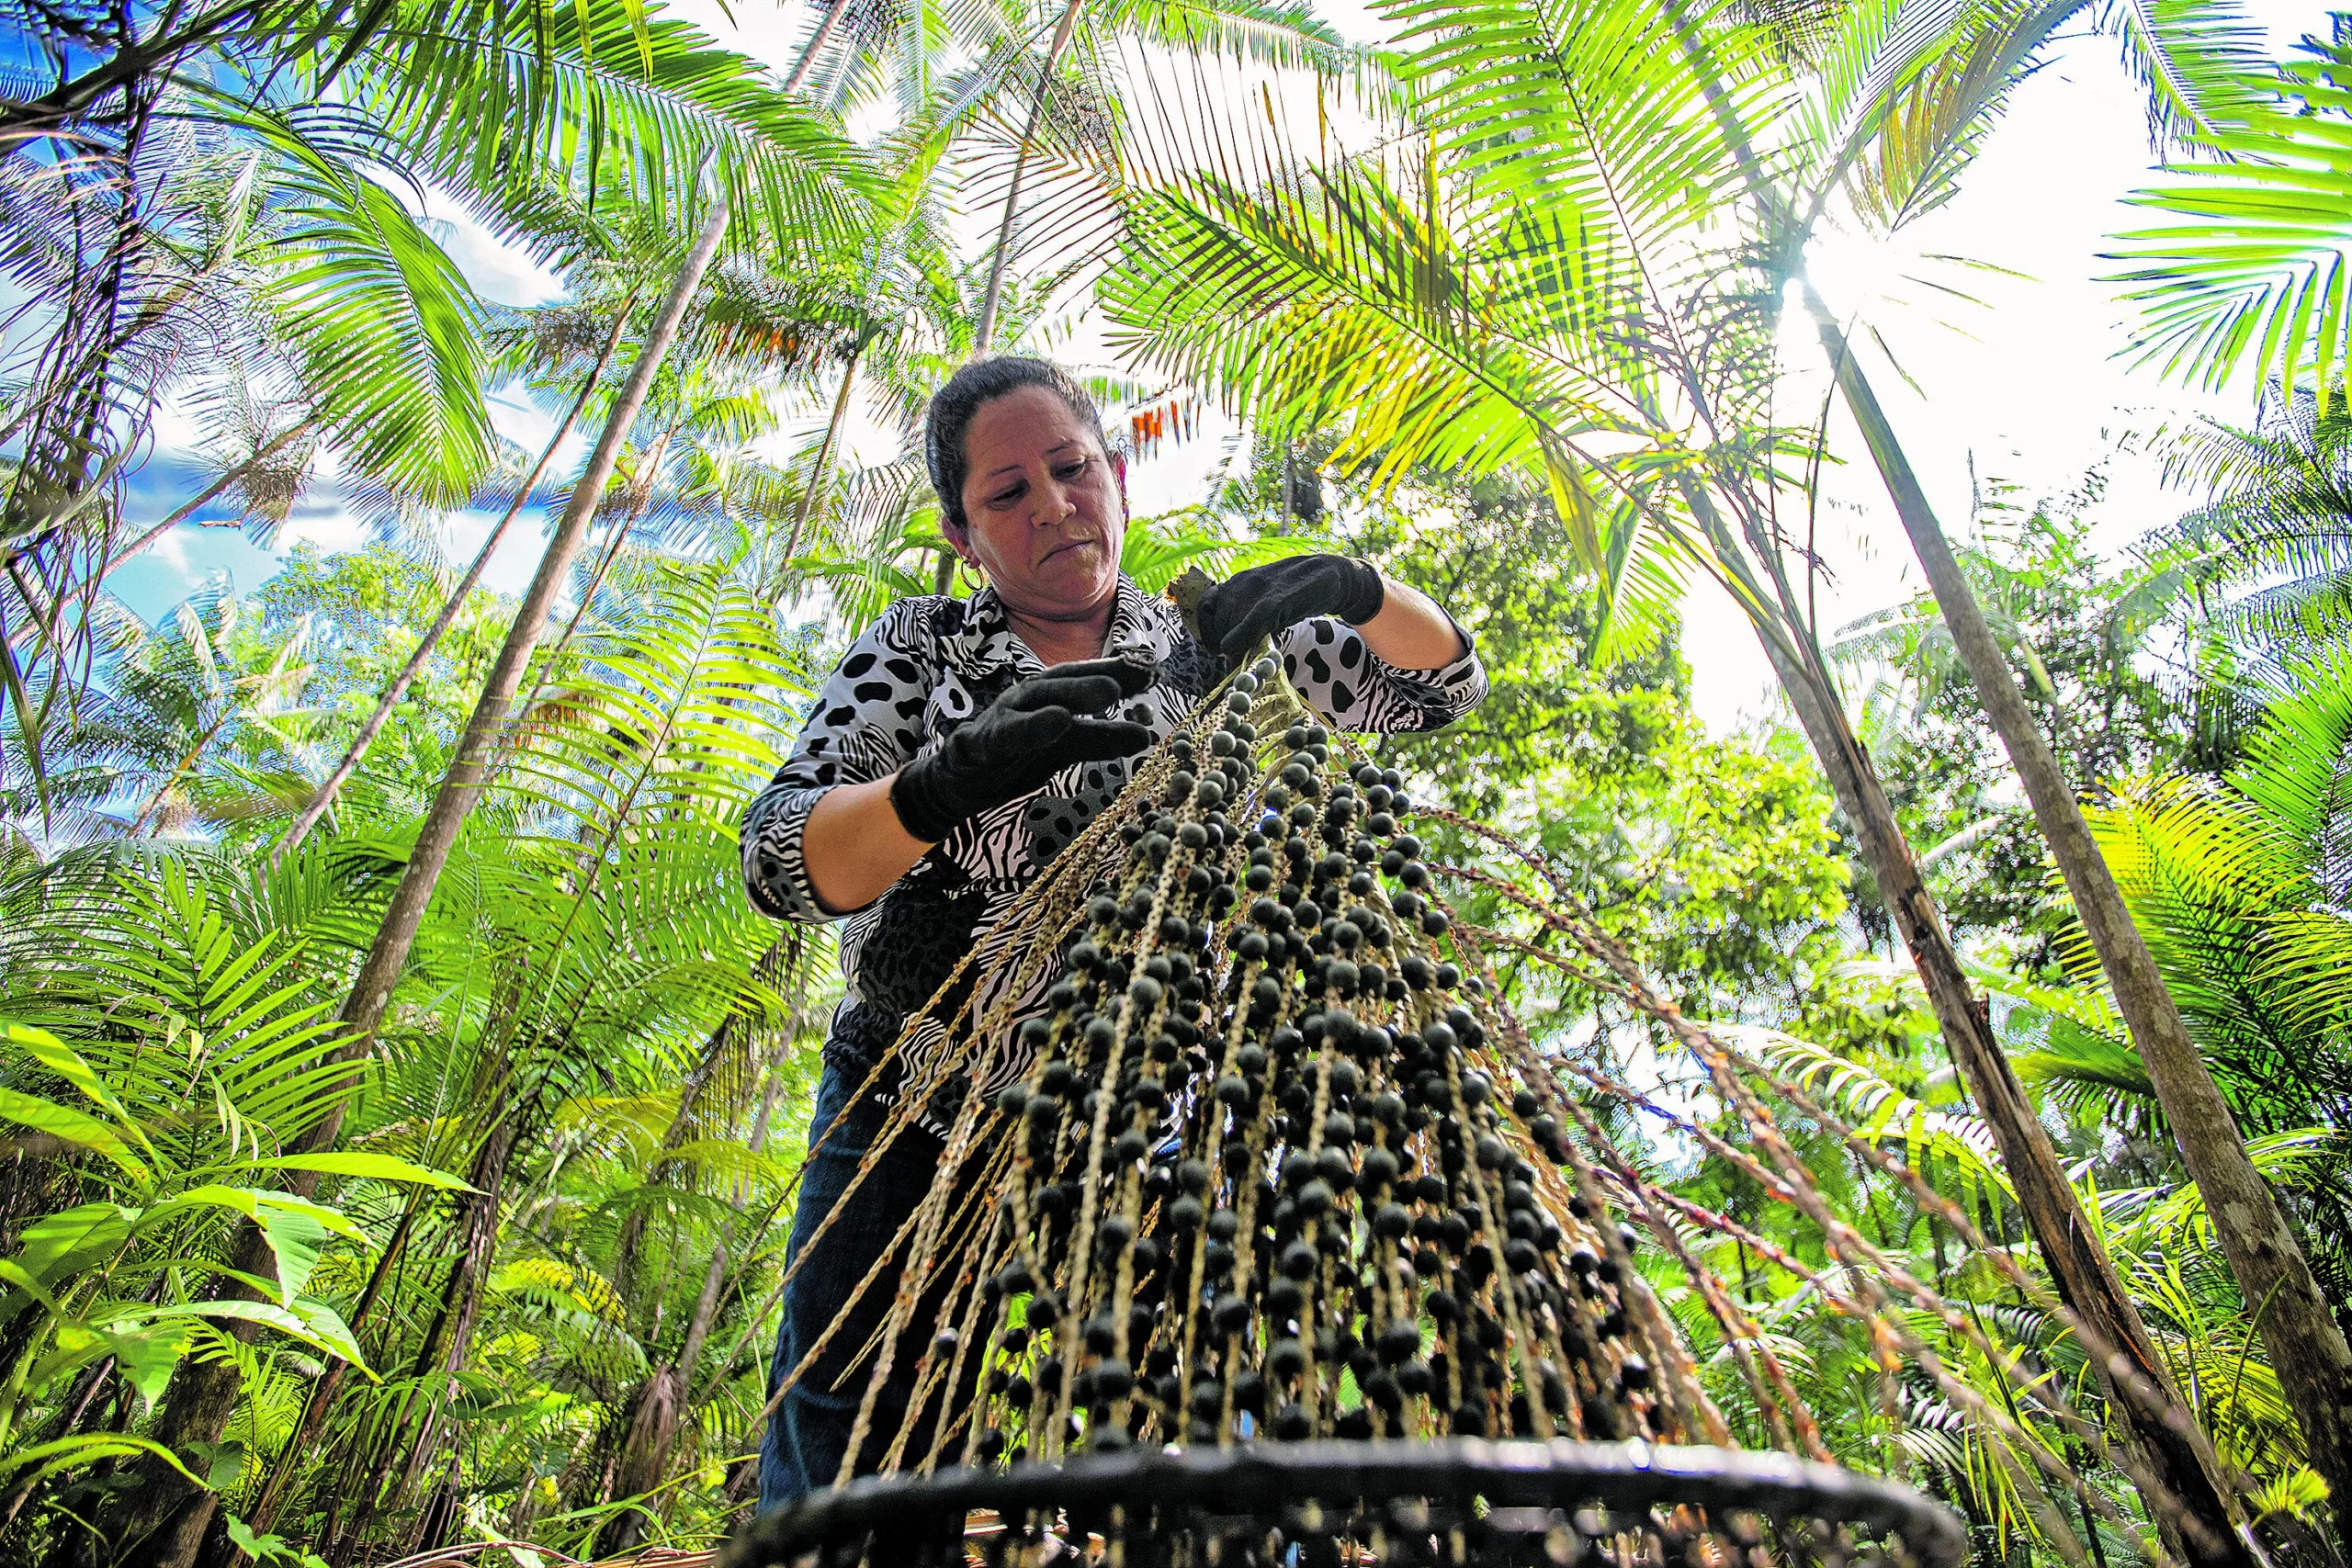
[
  {"x": 223, "y": 1462},
  {"x": 295, "y": 1240},
  {"x": 354, "y": 1162},
  {"x": 147, "y": 1356},
  {"x": 67, "y": 1063},
  {"x": 329, "y": 1332},
  {"x": 255, "y": 1201},
  {"x": 54, "y": 1244},
  {"x": 260, "y": 1548},
  {"x": 309, "y": 1322},
  {"x": 17, "y": 1279},
  {"x": 72, "y": 1126},
  {"x": 75, "y": 1345},
  {"x": 295, "y": 1228},
  {"x": 84, "y": 1448}
]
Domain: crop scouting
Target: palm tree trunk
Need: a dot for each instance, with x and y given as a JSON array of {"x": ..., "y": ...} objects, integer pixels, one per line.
[
  {"x": 2307, "y": 1348},
  {"x": 449, "y": 1339},
  {"x": 160, "y": 1521},
  {"x": 418, "y": 1420},
  {"x": 263, "y": 1513},
  {"x": 2078, "y": 1264},
  {"x": 824, "y": 458},
  {"x": 181, "y": 770},
  {"x": 639, "y": 503},
  {"x": 2141, "y": 1395},
  {"x": 799, "y": 77},
  {"x": 986, "y": 334},
  {"x": 786, "y": 953},
  {"x": 371, "y": 992},
  {"x": 2138, "y": 1388},
  {"x": 632, "y": 1231},
  {"x": 450, "y": 608},
  {"x": 653, "y": 1427}
]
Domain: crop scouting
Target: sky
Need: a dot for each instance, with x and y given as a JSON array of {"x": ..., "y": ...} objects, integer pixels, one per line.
[{"x": 2027, "y": 384}]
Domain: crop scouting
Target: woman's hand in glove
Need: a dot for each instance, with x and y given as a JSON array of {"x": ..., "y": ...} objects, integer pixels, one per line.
[
  {"x": 1257, "y": 603},
  {"x": 1012, "y": 746}
]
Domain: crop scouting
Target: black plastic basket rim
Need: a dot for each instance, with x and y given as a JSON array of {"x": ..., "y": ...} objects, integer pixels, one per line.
[{"x": 1265, "y": 1477}]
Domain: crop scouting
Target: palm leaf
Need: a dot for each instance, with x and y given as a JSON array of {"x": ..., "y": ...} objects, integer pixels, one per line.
[
  {"x": 603, "y": 100},
  {"x": 2249, "y": 273},
  {"x": 385, "y": 325}
]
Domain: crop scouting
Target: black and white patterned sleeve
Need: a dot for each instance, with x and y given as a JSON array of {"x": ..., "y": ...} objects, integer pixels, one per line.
[
  {"x": 868, "y": 721},
  {"x": 1343, "y": 679}
]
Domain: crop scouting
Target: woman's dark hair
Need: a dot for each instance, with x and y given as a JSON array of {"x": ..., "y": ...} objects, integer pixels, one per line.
[{"x": 952, "y": 408}]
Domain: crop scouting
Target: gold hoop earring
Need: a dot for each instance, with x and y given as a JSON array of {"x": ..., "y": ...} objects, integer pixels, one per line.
[{"x": 980, "y": 579}]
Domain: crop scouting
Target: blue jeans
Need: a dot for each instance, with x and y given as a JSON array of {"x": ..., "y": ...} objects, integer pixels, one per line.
[{"x": 801, "y": 1452}]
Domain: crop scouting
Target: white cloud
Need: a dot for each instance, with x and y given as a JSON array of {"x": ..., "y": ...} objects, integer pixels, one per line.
[
  {"x": 499, "y": 272},
  {"x": 170, "y": 552}
]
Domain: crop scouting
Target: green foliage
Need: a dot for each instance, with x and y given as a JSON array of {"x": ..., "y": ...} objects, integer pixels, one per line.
[
  {"x": 1500, "y": 559},
  {"x": 199, "y": 722},
  {"x": 589, "y": 952},
  {"x": 525, "y": 107},
  {"x": 188, "y": 1049},
  {"x": 2238, "y": 885},
  {"x": 2247, "y": 273},
  {"x": 1158, "y": 550},
  {"x": 2269, "y": 555},
  {"x": 358, "y": 281}
]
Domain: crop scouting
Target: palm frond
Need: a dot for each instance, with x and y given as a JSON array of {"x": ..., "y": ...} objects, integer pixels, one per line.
[
  {"x": 501, "y": 100},
  {"x": 2249, "y": 273},
  {"x": 387, "y": 327}
]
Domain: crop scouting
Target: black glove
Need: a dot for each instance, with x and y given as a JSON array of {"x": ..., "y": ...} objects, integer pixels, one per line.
[
  {"x": 1263, "y": 600},
  {"x": 1019, "y": 741}
]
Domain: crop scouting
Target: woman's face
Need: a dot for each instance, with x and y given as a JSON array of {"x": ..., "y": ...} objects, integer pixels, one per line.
[{"x": 1047, "y": 509}]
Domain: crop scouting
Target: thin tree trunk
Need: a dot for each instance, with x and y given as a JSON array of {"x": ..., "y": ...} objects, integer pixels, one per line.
[
  {"x": 160, "y": 1521},
  {"x": 767, "y": 968},
  {"x": 824, "y": 460},
  {"x": 2307, "y": 1348},
  {"x": 263, "y": 1516},
  {"x": 180, "y": 771},
  {"x": 640, "y": 500},
  {"x": 2078, "y": 1264},
  {"x": 985, "y": 335},
  {"x": 799, "y": 77},
  {"x": 653, "y": 1425},
  {"x": 451, "y": 609},
  {"x": 2179, "y": 1457},
  {"x": 206, "y": 493},
  {"x": 85, "y": 1391},
  {"x": 371, "y": 992},
  {"x": 632, "y": 1230},
  {"x": 449, "y": 1339}
]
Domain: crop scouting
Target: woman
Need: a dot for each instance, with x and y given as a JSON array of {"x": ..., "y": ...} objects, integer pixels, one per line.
[{"x": 959, "y": 747}]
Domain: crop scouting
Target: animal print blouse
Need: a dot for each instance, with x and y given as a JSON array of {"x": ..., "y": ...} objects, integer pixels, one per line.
[{"x": 928, "y": 665}]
